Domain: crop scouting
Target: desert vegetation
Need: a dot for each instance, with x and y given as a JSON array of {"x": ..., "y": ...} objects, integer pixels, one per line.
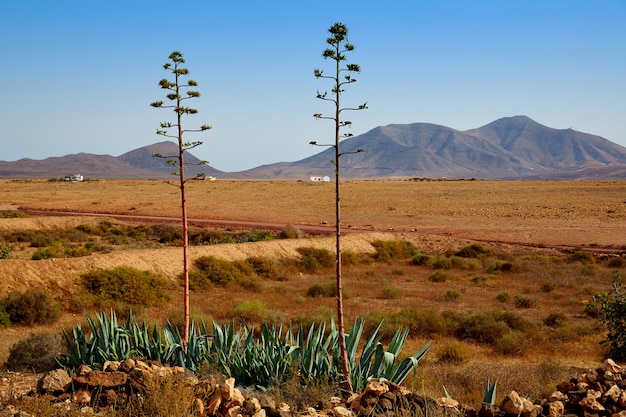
[{"x": 528, "y": 316}]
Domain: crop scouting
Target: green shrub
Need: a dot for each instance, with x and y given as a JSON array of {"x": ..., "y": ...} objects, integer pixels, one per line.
[
  {"x": 440, "y": 276},
  {"x": 390, "y": 293},
  {"x": 290, "y": 232},
  {"x": 251, "y": 283},
  {"x": 490, "y": 326},
  {"x": 313, "y": 259},
  {"x": 12, "y": 214},
  {"x": 5, "y": 251},
  {"x": 350, "y": 257},
  {"x": 479, "y": 280},
  {"x": 611, "y": 307},
  {"x": 252, "y": 311},
  {"x": 616, "y": 262},
  {"x": 419, "y": 321},
  {"x": 503, "y": 297},
  {"x": 420, "y": 259},
  {"x": 214, "y": 271},
  {"x": 453, "y": 353},
  {"x": 582, "y": 257},
  {"x": 473, "y": 251},
  {"x": 523, "y": 301},
  {"x": 37, "y": 353},
  {"x": 513, "y": 343},
  {"x": 167, "y": 233},
  {"x": 441, "y": 262},
  {"x": 501, "y": 267},
  {"x": 451, "y": 295},
  {"x": 44, "y": 253},
  {"x": 126, "y": 284},
  {"x": 31, "y": 307},
  {"x": 325, "y": 290},
  {"x": 555, "y": 319},
  {"x": 5, "y": 318},
  {"x": 548, "y": 286},
  {"x": 264, "y": 267},
  {"x": 388, "y": 250}
]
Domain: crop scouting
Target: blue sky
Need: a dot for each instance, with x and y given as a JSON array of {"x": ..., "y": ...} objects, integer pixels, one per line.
[{"x": 78, "y": 76}]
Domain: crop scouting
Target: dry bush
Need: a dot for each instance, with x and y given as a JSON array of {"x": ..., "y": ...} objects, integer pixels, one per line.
[
  {"x": 388, "y": 250},
  {"x": 31, "y": 307},
  {"x": 36, "y": 353},
  {"x": 313, "y": 259},
  {"x": 213, "y": 271}
]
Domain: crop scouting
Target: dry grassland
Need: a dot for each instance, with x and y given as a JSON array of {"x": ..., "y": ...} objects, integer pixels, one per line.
[{"x": 518, "y": 220}]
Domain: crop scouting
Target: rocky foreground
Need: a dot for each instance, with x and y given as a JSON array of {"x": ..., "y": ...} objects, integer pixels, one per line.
[{"x": 598, "y": 393}]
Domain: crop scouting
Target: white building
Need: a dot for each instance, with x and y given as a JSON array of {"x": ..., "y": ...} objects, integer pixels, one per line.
[{"x": 319, "y": 178}]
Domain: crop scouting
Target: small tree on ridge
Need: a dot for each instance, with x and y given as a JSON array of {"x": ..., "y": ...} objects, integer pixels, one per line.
[{"x": 176, "y": 89}]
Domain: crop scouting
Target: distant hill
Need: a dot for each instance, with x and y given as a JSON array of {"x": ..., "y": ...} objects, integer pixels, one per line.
[
  {"x": 136, "y": 164},
  {"x": 508, "y": 148}
]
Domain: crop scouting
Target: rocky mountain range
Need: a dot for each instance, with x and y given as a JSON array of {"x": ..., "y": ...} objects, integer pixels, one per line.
[{"x": 508, "y": 148}]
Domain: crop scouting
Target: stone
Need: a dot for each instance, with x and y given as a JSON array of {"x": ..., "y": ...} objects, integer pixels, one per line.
[
  {"x": 106, "y": 380},
  {"x": 82, "y": 396},
  {"x": 54, "y": 382},
  {"x": 214, "y": 403},
  {"x": 593, "y": 394},
  {"x": 619, "y": 414},
  {"x": 260, "y": 413},
  {"x": 566, "y": 387},
  {"x": 375, "y": 387},
  {"x": 621, "y": 401},
  {"x": 488, "y": 410},
  {"x": 555, "y": 408},
  {"x": 447, "y": 402},
  {"x": 557, "y": 396},
  {"x": 198, "y": 406},
  {"x": 340, "y": 411},
  {"x": 310, "y": 411},
  {"x": 83, "y": 370},
  {"x": 111, "y": 366},
  {"x": 127, "y": 365},
  {"x": 234, "y": 411},
  {"x": 610, "y": 365},
  {"x": 591, "y": 405},
  {"x": 251, "y": 406},
  {"x": 512, "y": 404},
  {"x": 613, "y": 393},
  {"x": 227, "y": 389}
]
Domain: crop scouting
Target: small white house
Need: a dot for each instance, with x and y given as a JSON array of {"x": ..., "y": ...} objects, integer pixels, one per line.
[
  {"x": 319, "y": 178},
  {"x": 74, "y": 178}
]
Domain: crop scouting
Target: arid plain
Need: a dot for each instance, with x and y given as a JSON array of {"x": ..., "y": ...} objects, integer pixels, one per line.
[{"x": 530, "y": 221}]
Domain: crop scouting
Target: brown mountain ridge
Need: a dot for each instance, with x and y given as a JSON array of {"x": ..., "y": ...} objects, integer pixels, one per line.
[{"x": 508, "y": 148}]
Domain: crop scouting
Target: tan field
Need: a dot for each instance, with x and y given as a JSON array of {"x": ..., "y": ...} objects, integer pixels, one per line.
[{"x": 529, "y": 222}]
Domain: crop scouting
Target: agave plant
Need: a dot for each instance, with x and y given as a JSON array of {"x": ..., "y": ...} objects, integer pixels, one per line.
[{"x": 490, "y": 393}]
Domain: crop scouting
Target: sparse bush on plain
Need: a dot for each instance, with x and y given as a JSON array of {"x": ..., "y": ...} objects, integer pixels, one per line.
[
  {"x": 616, "y": 262},
  {"x": 388, "y": 250},
  {"x": 451, "y": 295},
  {"x": 313, "y": 259},
  {"x": 12, "y": 214},
  {"x": 252, "y": 311},
  {"x": 454, "y": 353},
  {"x": 582, "y": 257},
  {"x": 503, "y": 297},
  {"x": 390, "y": 293},
  {"x": 213, "y": 271},
  {"x": 524, "y": 301},
  {"x": 555, "y": 319},
  {"x": 127, "y": 285},
  {"x": 37, "y": 353},
  {"x": 441, "y": 276},
  {"x": 5, "y": 251},
  {"x": 441, "y": 262},
  {"x": 323, "y": 290},
  {"x": 264, "y": 267},
  {"x": 513, "y": 343},
  {"x": 350, "y": 257},
  {"x": 611, "y": 308},
  {"x": 420, "y": 258},
  {"x": 290, "y": 232},
  {"x": 501, "y": 266},
  {"x": 31, "y": 307},
  {"x": 474, "y": 250}
]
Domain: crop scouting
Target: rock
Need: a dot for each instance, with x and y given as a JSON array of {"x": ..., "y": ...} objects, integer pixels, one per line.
[
  {"x": 310, "y": 411},
  {"x": 54, "y": 382},
  {"x": 610, "y": 365},
  {"x": 613, "y": 393},
  {"x": 488, "y": 410},
  {"x": 214, "y": 403},
  {"x": 567, "y": 387},
  {"x": 557, "y": 396},
  {"x": 447, "y": 402},
  {"x": 251, "y": 406},
  {"x": 198, "y": 406},
  {"x": 127, "y": 365},
  {"x": 591, "y": 404},
  {"x": 555, "y": 408},
  {"x": 234, "y": 411},
  {"x": 340, "y": 411},
  {"x": 376, "y": 388},
  {"x": 260, "y": 413},
  {"x": 104, "y": 380},
  {"x": 620, "y": 414},
  {"x": 284, "y": 410},
  {"x": 82, "y": 396},
  {"x": 111, "y": 366},
  {"x": 83, "y": 370},
  {"x": 512, "y": 404},
  {"x": 227, "y": 389}
]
